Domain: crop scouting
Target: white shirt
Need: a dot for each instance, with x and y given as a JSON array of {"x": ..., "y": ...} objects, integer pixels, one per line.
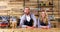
[
  {"x": 28, "y": 18},
  {"x": 23, "y": 18}
]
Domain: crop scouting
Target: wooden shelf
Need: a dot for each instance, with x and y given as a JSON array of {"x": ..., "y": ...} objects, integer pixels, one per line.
[
  {"x": 15, "y": 3},
  {"x": 16, "y": 0},
  {"x": 47, "y": 6}
]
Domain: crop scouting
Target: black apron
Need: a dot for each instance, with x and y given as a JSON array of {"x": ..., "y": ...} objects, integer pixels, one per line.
[
  {"x": 43, "y": 24},
  {"x": 30, "y": 23}
]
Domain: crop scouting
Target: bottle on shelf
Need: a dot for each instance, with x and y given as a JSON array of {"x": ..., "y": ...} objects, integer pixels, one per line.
[
  {"x": 47, "y": 4},
  {"x": 50, "y": 3},
  {"x": 13, "y": 22},
  {"x": 42, "y": 3}
]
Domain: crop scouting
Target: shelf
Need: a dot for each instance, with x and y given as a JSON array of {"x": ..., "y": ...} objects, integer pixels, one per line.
[
  {"x": 58, "y": 19},
  {"x": 16, "y": 0},
  {"x": 50, "y": 11},
  {"x": 15, "y": 3},
  {"x": 47, "y": 6}
]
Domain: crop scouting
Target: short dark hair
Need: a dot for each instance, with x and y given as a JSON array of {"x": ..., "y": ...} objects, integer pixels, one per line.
[{"x": 27, "y": 7}]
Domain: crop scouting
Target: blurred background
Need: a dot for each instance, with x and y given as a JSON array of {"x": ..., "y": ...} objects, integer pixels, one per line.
[{"x": 14, "y": 9}]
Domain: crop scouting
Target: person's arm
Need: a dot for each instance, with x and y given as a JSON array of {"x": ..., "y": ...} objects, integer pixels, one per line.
[
  {"x": 49, "y": 24},
  {"x": 38, "y": 22},
  {"x": 22, "y": 21},
  {"x": 40, "y": 26},
  {"x": 34, "y": 19}
]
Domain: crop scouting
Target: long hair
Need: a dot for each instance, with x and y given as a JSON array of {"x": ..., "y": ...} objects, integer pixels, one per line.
[{"x": 45, "y": 18}]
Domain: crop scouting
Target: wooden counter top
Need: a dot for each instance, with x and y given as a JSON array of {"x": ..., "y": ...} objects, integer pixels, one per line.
[{"x": 30, "y": 30}]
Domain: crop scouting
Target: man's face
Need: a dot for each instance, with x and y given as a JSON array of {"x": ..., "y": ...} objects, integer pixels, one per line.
[{"x": 27, "y": 10}]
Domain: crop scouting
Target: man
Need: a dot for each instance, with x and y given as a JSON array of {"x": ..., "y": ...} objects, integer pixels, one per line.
[{"x": 28, "y": 20}]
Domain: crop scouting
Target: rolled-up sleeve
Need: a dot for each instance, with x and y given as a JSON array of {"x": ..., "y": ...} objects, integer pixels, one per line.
[
  {"x": 22, "y": 21},
  {"x": 34, "y": 19},
  {"x": 49, "y": 23}
]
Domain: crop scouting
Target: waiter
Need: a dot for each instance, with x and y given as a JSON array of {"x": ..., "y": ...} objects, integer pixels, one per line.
[{"x": 28, "y": 20}]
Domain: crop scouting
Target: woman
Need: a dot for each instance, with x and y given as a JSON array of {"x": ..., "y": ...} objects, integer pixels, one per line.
[{"x": 43, "y": 22}]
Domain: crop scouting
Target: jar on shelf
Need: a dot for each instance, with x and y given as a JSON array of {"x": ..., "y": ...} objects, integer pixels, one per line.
[
  {"x": 42, "y": 3},
  {"x": 13, "y": 22}
]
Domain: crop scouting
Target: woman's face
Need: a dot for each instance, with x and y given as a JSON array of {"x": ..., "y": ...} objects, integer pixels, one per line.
[
  {"x": 43, "y": 14},
  {"x": 27, "y": 10}
]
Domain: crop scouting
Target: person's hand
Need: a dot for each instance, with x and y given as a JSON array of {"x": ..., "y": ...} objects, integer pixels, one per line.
[
  {"x": 29, "y": 27},
  {"x": 45, "y": 27}
]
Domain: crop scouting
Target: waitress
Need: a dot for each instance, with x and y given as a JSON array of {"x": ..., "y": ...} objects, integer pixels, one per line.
[
  {"x": 28, "y": 19},
  {"x": 44, "y": 22}
]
